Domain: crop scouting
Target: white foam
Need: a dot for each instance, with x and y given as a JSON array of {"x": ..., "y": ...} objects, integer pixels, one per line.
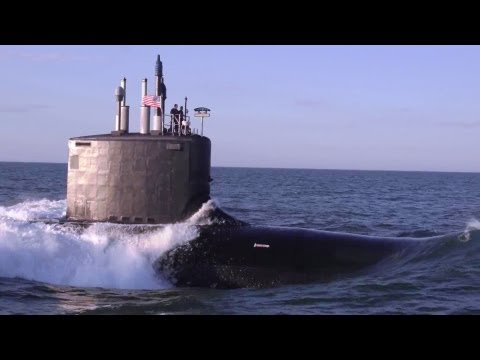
[
  {"x": 104, "y": 255},
  {"x": 473, "y": 227},
  {"x": 473, "y": 224},
  {"x": 31, "y": 210}
]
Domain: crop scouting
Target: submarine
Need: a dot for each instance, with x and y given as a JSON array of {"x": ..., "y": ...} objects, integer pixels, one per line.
[{"x": 161, "y": 175}]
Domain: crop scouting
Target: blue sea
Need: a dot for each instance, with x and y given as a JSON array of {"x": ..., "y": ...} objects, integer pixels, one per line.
[{"x": 106, "y": 269}]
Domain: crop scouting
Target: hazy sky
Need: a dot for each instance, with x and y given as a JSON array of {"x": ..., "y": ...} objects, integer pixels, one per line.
[{"x": 327, "y": 107}]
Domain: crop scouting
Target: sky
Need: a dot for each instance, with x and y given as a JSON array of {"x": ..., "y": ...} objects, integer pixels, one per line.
[{"x": 321, "y": 107}]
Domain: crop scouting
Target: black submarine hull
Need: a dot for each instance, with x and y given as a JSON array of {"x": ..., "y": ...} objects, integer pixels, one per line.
[
  {"x": 261, "y": 256},
  {"x": 230, "y": 253}
]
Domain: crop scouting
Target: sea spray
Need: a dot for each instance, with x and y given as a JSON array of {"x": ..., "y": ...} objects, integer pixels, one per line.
[{"x": 103, "y": 255}]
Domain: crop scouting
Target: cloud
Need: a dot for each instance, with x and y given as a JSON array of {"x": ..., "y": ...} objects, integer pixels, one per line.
[
  {"x": 50, "y": 56},
  {"x": 461, "y": 124},
  {"x": 26, "y": 108}
]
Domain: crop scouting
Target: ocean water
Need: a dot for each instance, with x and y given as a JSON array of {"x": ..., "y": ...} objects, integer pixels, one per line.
[{"x": 107, "y": 269}]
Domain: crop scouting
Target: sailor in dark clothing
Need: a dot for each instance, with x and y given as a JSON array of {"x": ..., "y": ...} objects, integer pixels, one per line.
[
  {"x": 180, "y": 112},
  {"x": 174, "y": 116}
]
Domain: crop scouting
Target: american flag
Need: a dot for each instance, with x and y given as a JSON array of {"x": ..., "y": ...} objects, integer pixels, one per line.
[{"x": 152, "y": 100}]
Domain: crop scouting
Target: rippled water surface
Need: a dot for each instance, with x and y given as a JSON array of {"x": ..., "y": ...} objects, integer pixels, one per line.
[{"x": 107, "y": 269}]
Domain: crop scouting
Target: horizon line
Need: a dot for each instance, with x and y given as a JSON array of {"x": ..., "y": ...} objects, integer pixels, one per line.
[{"x": 277, "y": 168}]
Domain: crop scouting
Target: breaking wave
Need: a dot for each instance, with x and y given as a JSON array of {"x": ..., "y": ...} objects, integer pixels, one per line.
[{"x": 102, "y": 255}]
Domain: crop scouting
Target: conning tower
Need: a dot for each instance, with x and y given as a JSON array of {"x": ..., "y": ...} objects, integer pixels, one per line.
[{"x": 159, "y": 175}]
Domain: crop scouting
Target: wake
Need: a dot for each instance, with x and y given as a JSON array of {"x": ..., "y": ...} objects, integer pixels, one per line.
[{"x": 103, "y": 255}]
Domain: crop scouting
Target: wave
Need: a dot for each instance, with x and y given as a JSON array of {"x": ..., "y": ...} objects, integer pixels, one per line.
[
  {"x": 33, "y": 210},
  {"x": 456, "y": 252},
  {"x": 103, "y": 255}
]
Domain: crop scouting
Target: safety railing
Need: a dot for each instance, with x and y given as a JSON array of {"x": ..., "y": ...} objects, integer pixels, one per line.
[{"x": 178, "y": 125}]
